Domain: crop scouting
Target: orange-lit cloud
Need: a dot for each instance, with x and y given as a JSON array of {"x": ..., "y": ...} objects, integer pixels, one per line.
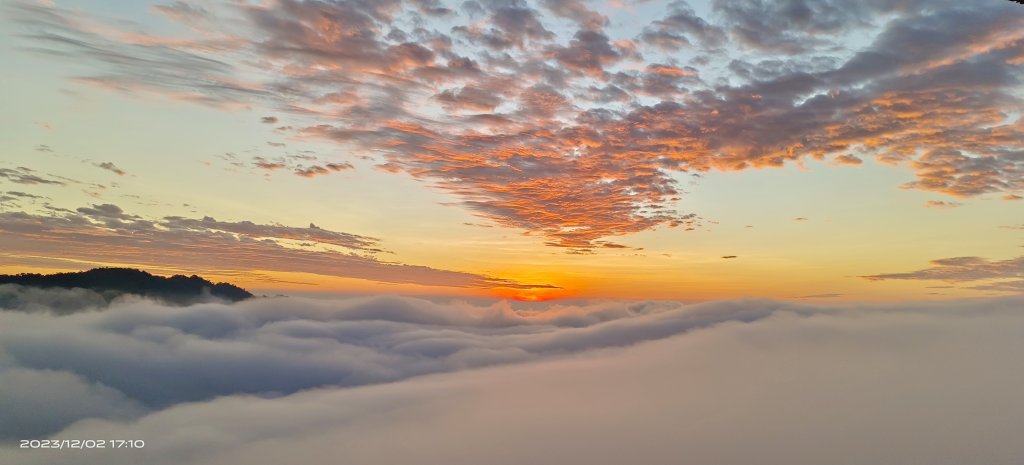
[{"x": 581, "y": 136}]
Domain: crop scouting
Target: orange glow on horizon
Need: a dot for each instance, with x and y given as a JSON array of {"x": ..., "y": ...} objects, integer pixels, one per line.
[{"x": 532, "y": 295}]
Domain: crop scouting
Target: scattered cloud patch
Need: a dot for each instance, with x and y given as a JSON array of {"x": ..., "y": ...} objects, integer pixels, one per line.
[
  {"x": 27, "y": 176},
  {"x": 847, "y": 159},
  {"x": 942, "y": 204},
  {"x": 109, "y": 166},
  {"x": 821, "y": 296}
]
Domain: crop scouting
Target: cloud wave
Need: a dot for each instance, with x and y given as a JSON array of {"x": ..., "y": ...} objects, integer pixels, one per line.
[{"x": 278, "y": 380}]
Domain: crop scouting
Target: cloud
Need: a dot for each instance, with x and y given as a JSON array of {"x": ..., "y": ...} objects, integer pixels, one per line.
[
  {"x": 317, "y": 170},
  {"x": 340, "y": 166},
  {"x": 135, "y": 63},
  {"x": 26, "y": 195},
  {"x": 576, "y": 135},
  {"x": 518, "y": 23},
  {"x": 588, "y": 52},
  {"x": 106, "y": 212},
  {"x": 968, "y": 269},
  {"x": 469, "y": 98},
  {"x": 13, "y": 199},
  {"x": 942, "y": 204},
  {"x": 726, "y": 382},
  {"x": 105, "y": 233},
  {"x": 301, "y": 164},
  {"x": 22, "y": 175},
  {"x": 790, "y": 27},
  {"x": 671, "y": 33},
  {"x": 973, "y": 175},
  {"x": 312, "y": 171},
  {"x": 109, "y": 166},
  {"x": 1016, "y": 287},
  {"x": 312, "y": 233},
  {"x": 847, "y": 159},
  {"x": 279, "y": 346},
  {"x": 432, "y": 7},
  {"x": 59, "y": 301},
  {"x": 38, "y": 402},
  {"x": 265, "y": 164},
  {"x": 182, "y": 11},
  {"x": 577, "y": 10}
]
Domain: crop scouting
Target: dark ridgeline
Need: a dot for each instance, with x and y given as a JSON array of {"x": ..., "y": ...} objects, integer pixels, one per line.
[{"x": 111, "y": 282}]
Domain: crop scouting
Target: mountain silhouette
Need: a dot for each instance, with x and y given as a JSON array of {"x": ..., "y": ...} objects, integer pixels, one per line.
[{"x": 113, "y": 282}]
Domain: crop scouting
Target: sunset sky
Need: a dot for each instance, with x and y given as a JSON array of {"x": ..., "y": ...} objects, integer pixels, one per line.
[{"x": 531, "y": 150}]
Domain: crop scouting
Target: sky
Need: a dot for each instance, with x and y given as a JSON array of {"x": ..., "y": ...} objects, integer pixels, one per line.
[{"x": 811, "y": 150}]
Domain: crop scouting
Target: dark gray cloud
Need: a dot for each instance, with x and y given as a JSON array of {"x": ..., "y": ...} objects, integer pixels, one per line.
[
  {"x": 301, "y": 164},
  {"x": 14, "y": 199},
  {"x": 469, "y": 98},
  {"x": 588, "y": 52},
  {"x": 797, "y": 26},
  {"x": 672, "y": 32},
  {"x": 317, "y": 170},
  {"x": 432, "y": 7},
  {"x": 110, "y": 166},
  {"x": 28, "y": 176},
  {"x": 105, "y": 212},
  {"x": 26, "y": 195},
  {"x": 518, "y": 23},
  {"x": 578, "y": 11}
]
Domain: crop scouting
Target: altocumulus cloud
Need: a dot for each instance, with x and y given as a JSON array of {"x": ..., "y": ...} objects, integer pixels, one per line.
[
  {"x": 578, "y": 135},
  {"x": 301, "y": 381}
]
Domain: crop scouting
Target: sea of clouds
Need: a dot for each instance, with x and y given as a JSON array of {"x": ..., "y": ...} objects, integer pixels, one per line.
[{"x": 394, "y": 380}]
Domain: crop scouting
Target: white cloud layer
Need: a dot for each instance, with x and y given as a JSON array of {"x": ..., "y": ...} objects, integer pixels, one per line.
[{"x": 276, "y": 381}]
